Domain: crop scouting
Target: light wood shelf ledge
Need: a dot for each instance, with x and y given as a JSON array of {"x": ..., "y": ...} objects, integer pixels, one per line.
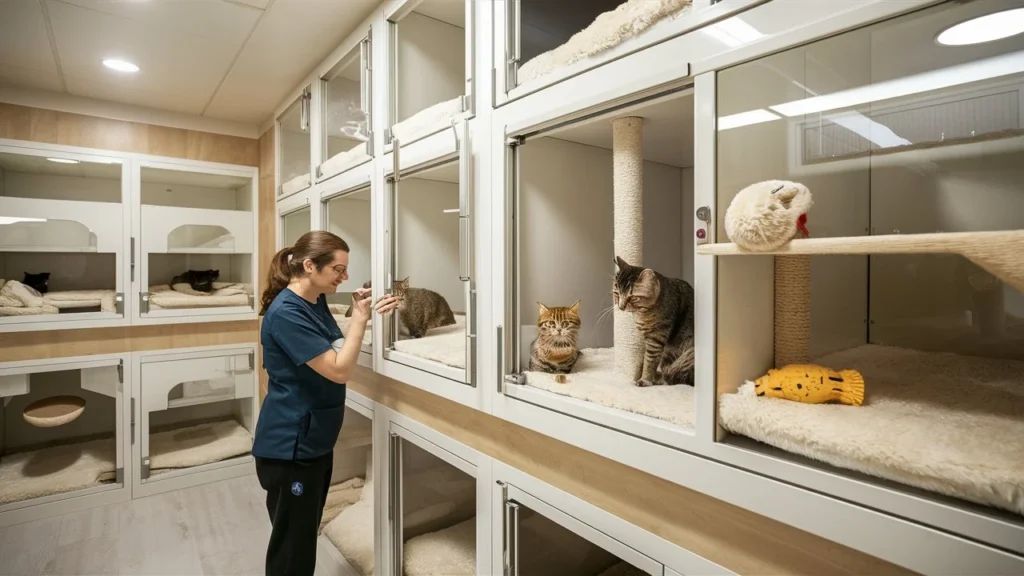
[{"x": 999, "y": 253}]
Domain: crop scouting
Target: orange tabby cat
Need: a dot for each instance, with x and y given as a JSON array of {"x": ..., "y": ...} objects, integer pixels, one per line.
[{"x": 555, "y": 349}]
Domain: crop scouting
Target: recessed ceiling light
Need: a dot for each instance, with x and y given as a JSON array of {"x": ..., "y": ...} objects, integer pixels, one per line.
[
  {"x": 63, "y": 160},
  {"x": 120, "y": 65},
  {"x": 984, "y": 28}
]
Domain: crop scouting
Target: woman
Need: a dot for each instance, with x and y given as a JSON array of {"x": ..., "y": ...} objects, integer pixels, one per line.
[{"x": 308, "y": 361}]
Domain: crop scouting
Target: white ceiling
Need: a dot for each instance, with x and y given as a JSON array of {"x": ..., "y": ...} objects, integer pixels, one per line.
[
  {"x": 449, "y": 11},
  {"x": 227, "y": 59}
]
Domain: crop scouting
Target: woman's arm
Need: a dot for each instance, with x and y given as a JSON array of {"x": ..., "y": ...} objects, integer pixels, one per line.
[{"x": 338, "y": 366}]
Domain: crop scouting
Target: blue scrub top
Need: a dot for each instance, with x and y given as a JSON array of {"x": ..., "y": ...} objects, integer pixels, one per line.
[{"x": 303, "y": 411}]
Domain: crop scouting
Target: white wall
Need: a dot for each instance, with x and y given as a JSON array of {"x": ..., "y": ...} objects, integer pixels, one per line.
[
  {"x": 48, "y": 187},
  {"x": 294, "y": 225},
  {"x": 428, "y": 239},
  {"x": 158, "y": 194},
  {"x": 566, "y": 234},
  {"x": 350, "y": 219},
  {"x": 431, "y": 63}
]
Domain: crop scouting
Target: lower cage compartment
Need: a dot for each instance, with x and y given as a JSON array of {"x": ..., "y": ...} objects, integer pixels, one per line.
[
  {"x": 188, "y": 446},
  {"x": 57, "y": 470},
  {"x": 943, "y": 422},
  {"x": 450, "y": 551}
]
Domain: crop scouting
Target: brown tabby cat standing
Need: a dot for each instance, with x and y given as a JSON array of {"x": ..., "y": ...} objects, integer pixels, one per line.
[
  {"x": 421, "y": 309},
  {"x": 663, "y": 311},
  {"x": 555, "y": 349}
]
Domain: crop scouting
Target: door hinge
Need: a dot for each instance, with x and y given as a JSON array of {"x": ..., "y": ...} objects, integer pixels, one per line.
[
  {"x": 120, "y": 371},
  {"x": 119, "y": 303},
  {"x": 144, "y": 302}
]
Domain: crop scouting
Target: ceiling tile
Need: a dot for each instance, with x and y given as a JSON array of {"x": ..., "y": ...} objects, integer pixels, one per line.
[
  {"x": 293, "y": 37},
  {"x": 214, "y": 19},
  {"x": 261, "y": 4},
  {"x": 26, "y": 58},
  {"x": 175, "y": 67}
]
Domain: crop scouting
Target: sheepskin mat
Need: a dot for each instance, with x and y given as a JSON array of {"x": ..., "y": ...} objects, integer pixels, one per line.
[
  {"x": 593, "y": 379},
  {"x": 343, "y": 161},
  {"x": 942, "y": 422},
  {"x": 57, "y": 470},
  {"x": 608, "y": 30},
  {"x": 341, "y": 496},
  {"x": 447, "y": 552},
  {"x": 300, "y": 182},
  {"x": 351, "y": 531},
  {"x": 428, "y": 120},
  {"x": 182, "y": 296},
  {"x": 445, "y": 345},
  {"x": 197, "y": 445}
]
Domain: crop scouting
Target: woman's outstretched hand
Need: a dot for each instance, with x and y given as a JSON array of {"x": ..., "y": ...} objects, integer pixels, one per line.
[
  {"x": 361, "y": 303},
  {"x": 385, "y": 304}
]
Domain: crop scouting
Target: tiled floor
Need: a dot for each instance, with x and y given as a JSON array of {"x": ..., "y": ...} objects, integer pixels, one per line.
[{"x": 219, "y": 528}]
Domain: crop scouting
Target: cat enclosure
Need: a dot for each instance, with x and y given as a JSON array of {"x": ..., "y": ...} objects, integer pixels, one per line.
[
  {"x": 197, "y": 252},
  {"x": 295, "y": 221},
  {"x": 345, "y": 113},
  {"x": 347, "y": 526},
  {"x": 195, "y": 411},
  {"x": 433, "y": 509},
  {"x": 430, "y": 237},
  {"x": 911, "y": 274},
  {"x": 62, "y": 240},
  {"x": 430, "y": 66},
  {"x": 62, "y": 429},
  {"x": 579, "y": 195},
  {"x": 294, "y": 147},
  {"x": 347, "y": 214},
  {"x": 545, "y": 41}
]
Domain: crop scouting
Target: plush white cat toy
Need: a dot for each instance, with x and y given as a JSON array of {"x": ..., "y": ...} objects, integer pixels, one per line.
[{"x": 766, "y": 215}]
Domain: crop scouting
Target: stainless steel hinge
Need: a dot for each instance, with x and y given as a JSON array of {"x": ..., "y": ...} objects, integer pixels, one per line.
[
  {"x": 467, "y": 99},
  {"x": 145, "y": 468},
  {"x": 319, "y": 173},
  {"x": 387, "y": 136},
  {"x": 514, "y": 141},
  {"x": 120, "y": 371},
  {"x": 518, "y": 378},
  {"x": 119, "y": 303},
  {"x": 369, "y": 143},
  {"x": 132, "y": 434},
  {"x": 144, "y": 302},
  {"x": 119, "y": 476},
  {"x": 252, "y": 360},
  {"x": 132, "y": 257}
]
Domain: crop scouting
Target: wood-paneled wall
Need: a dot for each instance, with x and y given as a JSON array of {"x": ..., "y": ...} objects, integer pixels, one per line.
[
  {"x": 267, "y": 224},
  {"x": 63, "y": 128},
  {"x": 732, "y": 537}
]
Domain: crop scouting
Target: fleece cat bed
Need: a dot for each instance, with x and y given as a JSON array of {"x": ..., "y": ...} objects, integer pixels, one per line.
[
  {"x": 339, "y": 497},
  {"x": 447, "y": 552},
  {"x": 17, "y": 299},
  {"x": 428, "y": 120},
  {"x": 300, "y": 182},
  {"x": 608, "y": 30},
  {"x": 445, "y": 345},
  {"x": 351, "y": 531},
  {"x": 57, "y": 470},
  {"x": 593, "y": 379},
  {"x": 341, "y": 162},
  {"x": 196, "y": 445},
  {"x": 54, "y": 411},
  {"x": 938, "y": 421},
  {"x": 181, "y": 295}
]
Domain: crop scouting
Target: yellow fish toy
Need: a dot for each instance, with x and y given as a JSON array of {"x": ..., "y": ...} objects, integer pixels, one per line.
[{"x": 812, "y": 384}]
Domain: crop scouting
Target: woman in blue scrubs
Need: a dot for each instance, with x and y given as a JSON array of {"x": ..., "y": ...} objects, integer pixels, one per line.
[{"x": 308, "y": 362}]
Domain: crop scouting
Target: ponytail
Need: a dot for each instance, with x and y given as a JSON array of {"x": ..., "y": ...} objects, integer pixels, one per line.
[{"x": 317, "y": 245}]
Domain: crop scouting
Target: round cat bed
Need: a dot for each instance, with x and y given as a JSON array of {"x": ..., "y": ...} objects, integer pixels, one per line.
[{"x": 54, "y": 411}]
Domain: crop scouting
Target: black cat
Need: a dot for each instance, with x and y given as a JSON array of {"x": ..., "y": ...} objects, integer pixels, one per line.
[
  {"x": 39, "y": 282},
  {"x": 199, "y": 280}
]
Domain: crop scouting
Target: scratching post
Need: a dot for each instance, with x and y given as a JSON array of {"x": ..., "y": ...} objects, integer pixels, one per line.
[
  {"x": 792, "y": 310},
  {"x": 628, "y": 206}
]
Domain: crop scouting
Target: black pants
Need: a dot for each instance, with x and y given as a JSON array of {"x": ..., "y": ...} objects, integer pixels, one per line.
[{"x": 296, "y": 495}]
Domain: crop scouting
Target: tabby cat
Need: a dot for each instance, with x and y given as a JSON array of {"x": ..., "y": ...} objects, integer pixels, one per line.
[
  {"x": 39, "y": 282},
  {"x": 421, "y": 309},
  {"x": 663, "y": 311},
  {"x": 348, "y": 313},
  {"x": 199, "y": 280},
  {"x": 555, "y": 350}
]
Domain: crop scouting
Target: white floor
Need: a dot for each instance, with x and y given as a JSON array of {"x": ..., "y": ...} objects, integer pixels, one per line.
[{"x": 219, "y": 528}]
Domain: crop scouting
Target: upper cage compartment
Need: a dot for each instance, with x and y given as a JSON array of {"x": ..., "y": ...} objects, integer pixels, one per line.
[
  {"x": 61, "y": 239},
  {"x": 348, "y": 215},
  {"x": 295, "y": 146},
  {"x": 345, "y": 114},
  {"x": 613, "y": 185},
  {"x": 430, "y": 265},
  {"x": 546, "y": 41},
  {"x": 430, "y": 67},
  {"x": 198, "y": 231},
  {"x": 62, "y": 422},
  {"x": 913, "y": 273}
]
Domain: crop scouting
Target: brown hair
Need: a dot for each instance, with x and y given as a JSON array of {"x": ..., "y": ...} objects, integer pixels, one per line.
[{"x": 317, "y": 245}]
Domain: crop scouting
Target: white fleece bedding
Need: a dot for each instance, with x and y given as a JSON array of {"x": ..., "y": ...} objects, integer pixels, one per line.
[
  {"x": 340, "y": 162},
  {"x": 17, "y": 299},
  {"x": 445, "y": 345},
  {"x": 427, "y": 121},
  {"x": 196, "y": 445},
  {"x": 607, "y": 31},
  {"x": 182, "y": 296},
  {"x": 56, "y": 470},
  {"x": 300, "y": 182}
]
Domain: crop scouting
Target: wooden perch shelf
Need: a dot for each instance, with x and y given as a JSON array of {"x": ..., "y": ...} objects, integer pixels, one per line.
[{"x": 1000, "y": 253}]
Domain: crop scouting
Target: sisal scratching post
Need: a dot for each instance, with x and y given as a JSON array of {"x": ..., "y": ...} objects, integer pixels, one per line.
[
  {"x": 792, "y": 310},
  {"x": 628, "y": 206}
]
